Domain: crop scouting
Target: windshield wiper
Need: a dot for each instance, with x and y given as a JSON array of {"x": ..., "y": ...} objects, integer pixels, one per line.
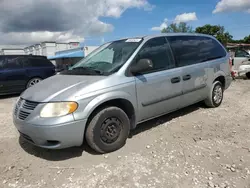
[{"x": 89, "y": 69}]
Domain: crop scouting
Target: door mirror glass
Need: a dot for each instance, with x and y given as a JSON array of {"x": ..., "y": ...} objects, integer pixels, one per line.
[{"x": 141, "y": 66}]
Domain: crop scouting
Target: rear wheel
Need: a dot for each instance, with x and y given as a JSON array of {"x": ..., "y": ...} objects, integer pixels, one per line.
[
  {"x": 215, "y": 97},
  {"x": 33, "y": 81},
  {"x": 248, "y": 75},
  {"x": 108, "y": 130}
]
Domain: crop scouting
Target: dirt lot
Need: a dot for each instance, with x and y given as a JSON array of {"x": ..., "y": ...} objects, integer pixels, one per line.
[{"x": 194, "y": 147}]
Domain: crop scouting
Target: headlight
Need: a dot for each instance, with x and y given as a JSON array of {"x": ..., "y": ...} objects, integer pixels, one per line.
[{"x": 58, "y": 109}]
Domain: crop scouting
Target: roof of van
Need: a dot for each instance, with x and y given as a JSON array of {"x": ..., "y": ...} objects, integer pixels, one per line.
[
  {"x": 164, "y": 34},
  {"x": 175, "y": 34}
]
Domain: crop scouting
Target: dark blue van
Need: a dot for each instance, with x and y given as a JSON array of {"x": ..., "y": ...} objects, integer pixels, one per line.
[{"x": 18, "y": 72}]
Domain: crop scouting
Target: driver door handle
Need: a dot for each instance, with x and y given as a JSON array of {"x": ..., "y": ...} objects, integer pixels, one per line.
[
  {"x": 186, "y": 77},
  {"x": 175, "y": 80}
]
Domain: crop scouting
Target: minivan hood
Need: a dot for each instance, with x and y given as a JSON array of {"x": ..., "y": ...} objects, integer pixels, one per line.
[{"x": 58, "y": 87}]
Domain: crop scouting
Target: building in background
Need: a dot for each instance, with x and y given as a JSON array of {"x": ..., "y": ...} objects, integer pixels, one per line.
[
  {"x": 49, "y": 48},
  {"x": 60, "y": 54},
  {"x": 63, "y": 59},
  {"x": 236, "y": 46},
  {"x": 12, "y": 49}
]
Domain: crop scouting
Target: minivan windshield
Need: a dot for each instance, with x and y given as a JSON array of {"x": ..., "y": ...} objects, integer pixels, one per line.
[{"x": 106, "y": 59}]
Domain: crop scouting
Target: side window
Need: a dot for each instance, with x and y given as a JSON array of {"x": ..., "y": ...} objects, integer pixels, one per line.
[
  {"x": 39, "y": 62},
  {"x": 189, "y": 50},
  {"x": 241, "y": 53},
  {"x": 12, "y": 63},
  {"x": 158, "y": 51},
  {"x": 25, "y": 62},
  {"x": 213, "y": 49}
]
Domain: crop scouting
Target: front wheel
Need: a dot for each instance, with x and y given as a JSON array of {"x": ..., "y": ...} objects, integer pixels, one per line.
[
  {"x": 215, "y": 95},
  {"x": 108, "y": 130}
]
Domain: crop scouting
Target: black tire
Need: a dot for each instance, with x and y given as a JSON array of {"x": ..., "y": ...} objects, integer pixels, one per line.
[
  {"x": 210, "y": 101},
  {"x": 248, "y": 75},
  {"x": 108, "y": 130}
]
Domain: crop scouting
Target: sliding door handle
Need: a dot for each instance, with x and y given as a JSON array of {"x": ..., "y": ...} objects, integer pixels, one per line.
[
  {"x": 186, "y": 77},
  {"x": 175, "y": 80}
]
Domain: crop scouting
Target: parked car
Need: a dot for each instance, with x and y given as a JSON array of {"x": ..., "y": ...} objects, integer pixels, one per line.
[
  {"x": 123, "y": 83},
  {"x": 18, "y": 72},
  {"x": 241, "y": 63}
]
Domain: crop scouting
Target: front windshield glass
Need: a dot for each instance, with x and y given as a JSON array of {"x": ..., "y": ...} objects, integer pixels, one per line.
[{"x": 109, "y": 57}]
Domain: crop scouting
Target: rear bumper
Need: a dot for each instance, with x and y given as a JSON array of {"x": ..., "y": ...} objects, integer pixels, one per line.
[{"x": 53, "y": 136}]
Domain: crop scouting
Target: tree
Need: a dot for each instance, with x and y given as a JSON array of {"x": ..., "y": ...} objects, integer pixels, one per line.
[
  {"x": 247, "y": 39},
  {"x": 178, "y": 28},
  {"x": 216, "y": 31}
]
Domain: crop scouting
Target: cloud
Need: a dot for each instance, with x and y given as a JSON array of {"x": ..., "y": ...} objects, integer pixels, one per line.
[
  {"x": 29, "y": 21},
  {"x": 232, "y": 6},
  {"x": 37, "y": 37},
  {"x": 162, "y": 26},
  {"x": 185, "y": 17}
]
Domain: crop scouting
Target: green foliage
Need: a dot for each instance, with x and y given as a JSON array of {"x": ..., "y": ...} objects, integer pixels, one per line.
[
  {"x": 216, "y": 31},
  {"x": 247, "y": 39},
  {"x": 178, "y": 28}
]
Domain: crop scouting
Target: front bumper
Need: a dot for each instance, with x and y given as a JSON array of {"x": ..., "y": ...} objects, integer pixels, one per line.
[{"x": 52, "y": 136}]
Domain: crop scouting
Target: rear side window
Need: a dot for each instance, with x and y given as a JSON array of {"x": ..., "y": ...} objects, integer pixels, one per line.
[
  {"x": 189, "y": 50},
  {"x": 11, "y": 62},
  {"x": 39, "y": 62},
  {"x": 158, "y": 51}
]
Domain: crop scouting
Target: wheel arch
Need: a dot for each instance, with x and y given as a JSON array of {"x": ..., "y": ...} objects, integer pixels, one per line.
[
  {"x": 221, "y": 77},
  {"x": 119, "y": 99}
]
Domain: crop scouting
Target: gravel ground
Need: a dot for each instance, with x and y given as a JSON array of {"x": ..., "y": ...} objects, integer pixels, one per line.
[{"x": 193, "y": 148}]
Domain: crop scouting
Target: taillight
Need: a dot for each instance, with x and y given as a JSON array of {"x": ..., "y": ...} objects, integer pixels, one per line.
[
  {"x": 233, "y": 74},
  {"x": 230, "y": 63}
]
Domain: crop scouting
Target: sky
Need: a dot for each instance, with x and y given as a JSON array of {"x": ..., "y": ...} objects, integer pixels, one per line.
[{"x": 94, "y": 22}]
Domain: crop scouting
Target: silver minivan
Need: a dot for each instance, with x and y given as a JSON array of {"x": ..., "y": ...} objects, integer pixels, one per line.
[{"x": 122, "y": 83}]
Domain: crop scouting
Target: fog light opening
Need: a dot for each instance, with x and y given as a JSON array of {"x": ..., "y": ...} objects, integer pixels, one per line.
[{"x": 53, "y": 142}]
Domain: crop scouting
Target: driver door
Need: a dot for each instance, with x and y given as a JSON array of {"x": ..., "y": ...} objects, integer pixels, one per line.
[
  {"x": 13, "y": 76},
  {"x": 159, "y": 89}
]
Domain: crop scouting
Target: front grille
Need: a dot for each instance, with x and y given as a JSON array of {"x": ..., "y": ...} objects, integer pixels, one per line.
[
  {"x": 16, "y": 109},
  {"x": 17, "y": 106},
  {"x": 23, "y": 115},
  {"x": 24, "y": 108},
  {"x": 29, "y": 105},
  {"x": 19, "y": 102}
]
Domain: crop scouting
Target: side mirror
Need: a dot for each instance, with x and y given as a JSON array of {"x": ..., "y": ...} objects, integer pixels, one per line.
[
  {"x": 141, "y": 66},
  {"x": 247, "y": 55}
]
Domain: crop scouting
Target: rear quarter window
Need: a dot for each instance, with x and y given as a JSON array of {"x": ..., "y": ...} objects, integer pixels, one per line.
[
  {"x": 190, "y": 50},
  {"x": 40, "y": 62}
]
